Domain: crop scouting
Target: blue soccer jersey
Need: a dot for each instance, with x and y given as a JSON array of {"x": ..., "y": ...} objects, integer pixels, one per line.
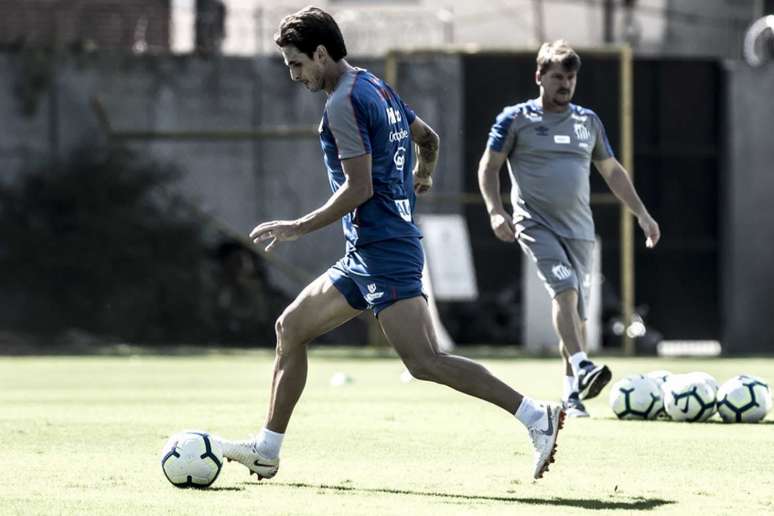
[{"x": 363, "y": 115}]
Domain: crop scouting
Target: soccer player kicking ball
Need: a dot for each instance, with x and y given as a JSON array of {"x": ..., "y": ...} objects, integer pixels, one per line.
[
  {"x": 367, "y": 135},
  {"x": 550, "y": 143}
]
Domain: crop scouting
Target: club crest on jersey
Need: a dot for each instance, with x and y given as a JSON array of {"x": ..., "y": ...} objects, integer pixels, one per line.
[
  {"x": 561, "y": 272},
  {"x": 541, "y": 130},
  {"x": 581, "y": 132}
]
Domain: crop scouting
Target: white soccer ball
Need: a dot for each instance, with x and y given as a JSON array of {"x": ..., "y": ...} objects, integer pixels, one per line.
[
  {"x": 706, "y": 378},
  {"x": 744, "y": 399},
  {"x": 688, "y": 398},
  {"x": 191, "y": 459},
  {"x": 660, "y": 376},
  {"x": 636, "y": 397}
]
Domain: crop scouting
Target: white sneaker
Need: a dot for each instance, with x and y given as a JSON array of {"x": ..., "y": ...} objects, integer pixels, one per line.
[
  {"x": 247, "y": 454},
  {"x": 543, "y": 435},
  {"x": 574, "y": 407}
]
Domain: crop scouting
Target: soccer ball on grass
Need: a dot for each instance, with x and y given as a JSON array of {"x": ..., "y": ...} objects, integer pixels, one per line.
[
  {"x": 636, "y": 397},
  {"x": 689, "y": 398},
  {"x": 707, "y": 378},
  {"x": 744, "y": 399},
  {"x": 191, "y": 459},
  {"x": 660, "y": 376}
]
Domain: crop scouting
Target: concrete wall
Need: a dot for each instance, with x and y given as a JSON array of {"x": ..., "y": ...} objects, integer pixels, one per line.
[
  {"x": 748, "y": 258},
  {"x": 708, "y": 27},
  {"x": 140, "y": 24},
  {"x": 241, "y": 182}
]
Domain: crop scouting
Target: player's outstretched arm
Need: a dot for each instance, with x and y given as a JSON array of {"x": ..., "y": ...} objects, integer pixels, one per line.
[
  {"x": 620, "y": 184},
  {"x": 356, "y": 190},
  {"x": 427, "y": 142},
  {"x": 489, "y": 183}
]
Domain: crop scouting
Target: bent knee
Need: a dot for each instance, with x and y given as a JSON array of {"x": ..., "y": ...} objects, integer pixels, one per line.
[
  {"x": 423, "y": 368},
  {"x": 567, "y": 298},
  {"x": 289, "y": 339}
]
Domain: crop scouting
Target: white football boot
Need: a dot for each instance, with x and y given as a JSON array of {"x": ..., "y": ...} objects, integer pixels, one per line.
[
  {"x": 247, "y": 454},
  {"x": 543, "y": 435}
]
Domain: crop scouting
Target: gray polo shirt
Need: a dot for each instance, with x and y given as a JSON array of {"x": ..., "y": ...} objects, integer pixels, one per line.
[{"x": 549, "y": 158}]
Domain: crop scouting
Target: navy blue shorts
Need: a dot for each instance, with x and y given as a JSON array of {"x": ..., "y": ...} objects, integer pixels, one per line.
[{"x": 377, "y": 275}]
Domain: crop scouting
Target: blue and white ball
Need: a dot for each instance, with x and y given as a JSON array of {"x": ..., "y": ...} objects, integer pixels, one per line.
[
  {"x": 707, "y": 378},
  {"x": 660, "y": 376},
  {"x": 744, "y": 399},
  {"x": 635, "y": 397},
  {"x": 688, "y": 397},
  {"x": 191, "y": 459}
]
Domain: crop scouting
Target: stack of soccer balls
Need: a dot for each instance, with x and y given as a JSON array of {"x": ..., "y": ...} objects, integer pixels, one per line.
[{"x": 690, "y": 397}]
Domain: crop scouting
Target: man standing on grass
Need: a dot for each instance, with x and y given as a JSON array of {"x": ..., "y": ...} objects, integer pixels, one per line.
[
  {"x": 550, "y": 143},
  {"x": 367, "y": 135}
]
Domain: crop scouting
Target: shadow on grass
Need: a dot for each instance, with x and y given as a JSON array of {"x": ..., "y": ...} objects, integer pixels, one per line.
[
  {"x": 225, "y": 488},
  {"x": 632, "y": 504}
]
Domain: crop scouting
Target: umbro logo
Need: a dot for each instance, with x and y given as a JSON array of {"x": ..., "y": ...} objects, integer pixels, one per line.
[{"x": 541, "y": 130}]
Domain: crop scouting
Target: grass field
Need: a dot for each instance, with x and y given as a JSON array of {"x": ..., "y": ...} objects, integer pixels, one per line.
[{"x": 82, "y": 435}]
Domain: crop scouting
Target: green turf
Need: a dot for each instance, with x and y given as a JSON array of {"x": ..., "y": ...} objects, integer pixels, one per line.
[{"x": 82, "y": 435}]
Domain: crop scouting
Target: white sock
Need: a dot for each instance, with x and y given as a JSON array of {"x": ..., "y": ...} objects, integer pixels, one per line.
[
  {"x": 529, "y": 412},
  {"x": 576, "y": 359},
  {"x": 569, "y": 387},
  {"x": 269, "y": 443}
]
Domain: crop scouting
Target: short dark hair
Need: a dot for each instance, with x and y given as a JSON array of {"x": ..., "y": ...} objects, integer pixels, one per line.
[
  {"x": 309, "y": 28},
  {"x": 558, "y": 52}
]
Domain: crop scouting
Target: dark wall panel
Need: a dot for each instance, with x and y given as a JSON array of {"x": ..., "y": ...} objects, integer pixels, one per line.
[{"x": 748, "y": 217}]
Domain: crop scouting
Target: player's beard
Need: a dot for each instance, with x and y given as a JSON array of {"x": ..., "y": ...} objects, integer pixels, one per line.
[
  {"x": 313, "y": 86},
  {"x": 562, "y": 98}
]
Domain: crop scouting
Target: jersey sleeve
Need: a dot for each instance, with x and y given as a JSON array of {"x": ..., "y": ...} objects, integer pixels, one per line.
[
  {"x": 602, "y": 149},
  {"x": 348, "y": 122},
  {"x": 502, "y": 135},
  {"x": 410, "y": 115}
]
